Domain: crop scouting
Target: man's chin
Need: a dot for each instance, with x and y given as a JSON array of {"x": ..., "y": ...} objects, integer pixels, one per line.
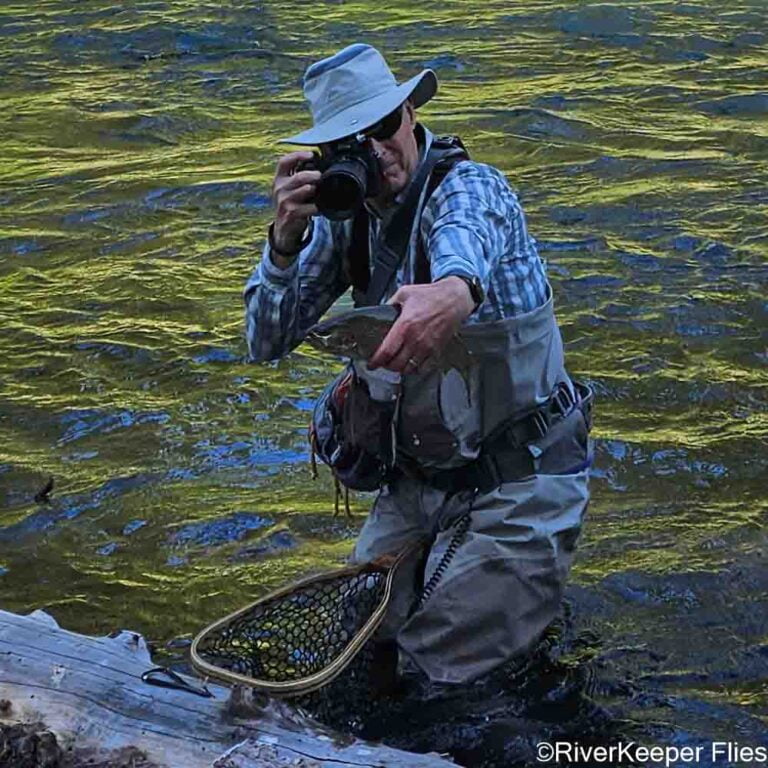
[{"x": 393, "y": 185}]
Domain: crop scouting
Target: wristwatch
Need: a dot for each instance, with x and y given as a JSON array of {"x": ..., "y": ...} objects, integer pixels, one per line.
[
  {"x": 287, "y": 254},
  {"x": 475, "y": 287}
]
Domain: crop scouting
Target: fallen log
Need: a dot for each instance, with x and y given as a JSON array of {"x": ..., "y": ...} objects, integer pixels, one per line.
[{"x": 88, "y": 693}]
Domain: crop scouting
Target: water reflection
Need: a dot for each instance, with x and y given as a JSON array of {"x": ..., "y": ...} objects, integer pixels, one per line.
[{"x": 138, "y": 148}]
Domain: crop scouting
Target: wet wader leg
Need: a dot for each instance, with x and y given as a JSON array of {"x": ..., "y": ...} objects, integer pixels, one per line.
[
  {"x": 505, "y": 582},
  {"x": 398, "y": 518}
]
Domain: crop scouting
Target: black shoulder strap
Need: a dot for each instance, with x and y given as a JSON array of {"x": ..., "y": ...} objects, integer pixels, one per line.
[
  {"x": 359, "y": 254},
  {"x": 392, "y": 244}
]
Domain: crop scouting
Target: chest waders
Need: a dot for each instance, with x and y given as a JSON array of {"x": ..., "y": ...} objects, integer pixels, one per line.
[
  {"x": 492, "y": 466},
  {"x": 488, "y": 462}
]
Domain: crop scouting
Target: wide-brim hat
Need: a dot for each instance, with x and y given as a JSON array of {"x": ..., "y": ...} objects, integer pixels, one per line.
[{"x": 353, "y": 89}]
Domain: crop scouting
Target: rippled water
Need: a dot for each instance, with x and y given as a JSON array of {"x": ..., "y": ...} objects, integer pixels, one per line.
[{"x": 138, "y": 145}]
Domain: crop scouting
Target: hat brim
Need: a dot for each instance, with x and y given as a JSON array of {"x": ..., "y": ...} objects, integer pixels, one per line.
[{"x": 420, "y": 89}]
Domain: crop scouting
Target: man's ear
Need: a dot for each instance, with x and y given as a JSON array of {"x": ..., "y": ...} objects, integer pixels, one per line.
[{"x": 410, "y": 112}]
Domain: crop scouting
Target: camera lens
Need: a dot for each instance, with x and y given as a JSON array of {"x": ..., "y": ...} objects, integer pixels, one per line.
[{"x": 342, "y": 189}]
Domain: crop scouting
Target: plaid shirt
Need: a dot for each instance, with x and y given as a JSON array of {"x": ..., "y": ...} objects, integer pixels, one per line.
[{"x": 472, "y": 224}]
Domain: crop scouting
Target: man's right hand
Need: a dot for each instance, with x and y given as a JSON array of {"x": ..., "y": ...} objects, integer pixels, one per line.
[{"x": 292, "y": 195}]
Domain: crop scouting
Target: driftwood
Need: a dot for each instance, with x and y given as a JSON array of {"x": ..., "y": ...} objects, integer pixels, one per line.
[{"x": 88, "y": 693}]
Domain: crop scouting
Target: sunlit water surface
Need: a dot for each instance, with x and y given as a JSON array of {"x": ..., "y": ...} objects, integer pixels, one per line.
[{"x": 138, "y": 146}]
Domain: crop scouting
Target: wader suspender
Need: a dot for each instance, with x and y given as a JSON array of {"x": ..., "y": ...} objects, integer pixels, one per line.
[{"x": 392, "y": 243}]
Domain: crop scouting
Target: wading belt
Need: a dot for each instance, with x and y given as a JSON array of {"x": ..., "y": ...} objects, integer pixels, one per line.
[{"x": 508, "y": 454}]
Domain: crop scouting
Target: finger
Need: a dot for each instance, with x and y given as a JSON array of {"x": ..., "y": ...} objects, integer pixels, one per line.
[
  {"x": 299, "y": 179},
  {"x": 303, "y": 193},
  {"x": 405, "y": 361},
  {"x": 388, "y": 348},
  {"x": 305, "y": 211},
  {"x": 287, "y": 163},
  {"x": 288, "y": 184},
  {"x": 287, "y": 204},
  {"x": 296, "y": 212},
  {"x": 399, "y": 296}
]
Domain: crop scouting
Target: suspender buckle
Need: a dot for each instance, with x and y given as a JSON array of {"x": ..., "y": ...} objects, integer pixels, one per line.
[
  {"x": 540, "y": 422},
  {"x": 562, "y": 399}
]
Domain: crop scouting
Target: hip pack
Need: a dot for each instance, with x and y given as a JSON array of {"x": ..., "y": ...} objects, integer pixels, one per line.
[{"x": 353, "y": 426}]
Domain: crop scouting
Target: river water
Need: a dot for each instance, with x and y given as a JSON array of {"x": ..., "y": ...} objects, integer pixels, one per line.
[{"x": 138, "y": 146}]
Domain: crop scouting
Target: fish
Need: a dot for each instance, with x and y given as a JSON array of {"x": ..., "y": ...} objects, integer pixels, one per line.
[{"x": 357, "y": 334}]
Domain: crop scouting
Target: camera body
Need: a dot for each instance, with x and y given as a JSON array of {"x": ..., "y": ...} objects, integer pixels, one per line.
[{"x": 350, "y": 173}]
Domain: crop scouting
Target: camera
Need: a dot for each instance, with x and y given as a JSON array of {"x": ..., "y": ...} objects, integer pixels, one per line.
[{"x": 350, "y": 173}]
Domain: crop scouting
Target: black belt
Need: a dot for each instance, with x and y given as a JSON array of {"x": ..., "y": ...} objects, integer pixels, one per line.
[{"x": 504, "y": 456}]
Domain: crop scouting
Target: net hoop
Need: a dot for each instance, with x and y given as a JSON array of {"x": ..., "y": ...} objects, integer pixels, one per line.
[{"x": 387, "y": 565}]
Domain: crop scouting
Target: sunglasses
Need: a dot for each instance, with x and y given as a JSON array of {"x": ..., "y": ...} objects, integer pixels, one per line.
[
  {"x": 384, "y": 129},
  {"x": 387, "y": 127}
]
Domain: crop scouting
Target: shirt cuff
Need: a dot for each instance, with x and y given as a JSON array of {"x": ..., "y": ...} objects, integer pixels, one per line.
[
  {"x": 276, "y": 277},
  {"x": 453, "y": 265}
]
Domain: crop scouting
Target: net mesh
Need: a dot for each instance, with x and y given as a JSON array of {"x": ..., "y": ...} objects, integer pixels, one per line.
[
  {"x": 346, "y": 703},
  {"x": 299, "y": 639}
]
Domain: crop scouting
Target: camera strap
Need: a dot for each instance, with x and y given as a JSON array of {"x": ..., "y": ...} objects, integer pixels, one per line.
[{"x": 392, "y": 243}]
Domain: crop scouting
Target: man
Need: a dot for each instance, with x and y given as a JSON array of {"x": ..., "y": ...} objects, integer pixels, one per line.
[{"x": 503, "y": 447}]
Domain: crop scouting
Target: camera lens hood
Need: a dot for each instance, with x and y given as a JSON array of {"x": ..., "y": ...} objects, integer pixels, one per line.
[{"x": 342, "y": 189}]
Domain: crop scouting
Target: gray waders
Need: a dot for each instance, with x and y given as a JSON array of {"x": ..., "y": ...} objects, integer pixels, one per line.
[
  {"x": 503, "y": 585},
  {"x": 504, "y": 582}
]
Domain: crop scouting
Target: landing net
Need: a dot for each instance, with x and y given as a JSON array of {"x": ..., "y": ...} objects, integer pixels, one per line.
[{"x": 300, "y": 638}]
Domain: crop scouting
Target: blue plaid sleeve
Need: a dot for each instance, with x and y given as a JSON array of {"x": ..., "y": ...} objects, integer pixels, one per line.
[
  {"x": 281, "y": 305},
  {"x": 473, "y": 223}
]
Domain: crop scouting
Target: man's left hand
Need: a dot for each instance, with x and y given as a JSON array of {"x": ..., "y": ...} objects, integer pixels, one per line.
[{"x": 429, "y": 316}]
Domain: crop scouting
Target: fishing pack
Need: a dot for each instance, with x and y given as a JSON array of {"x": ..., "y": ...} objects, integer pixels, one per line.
[{"x": 353, "y": 426}]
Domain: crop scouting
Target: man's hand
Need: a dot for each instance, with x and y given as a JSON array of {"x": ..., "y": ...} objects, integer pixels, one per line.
[
  {"x": 292, "y": 194},
  {"x": 429, "y": 316}
]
